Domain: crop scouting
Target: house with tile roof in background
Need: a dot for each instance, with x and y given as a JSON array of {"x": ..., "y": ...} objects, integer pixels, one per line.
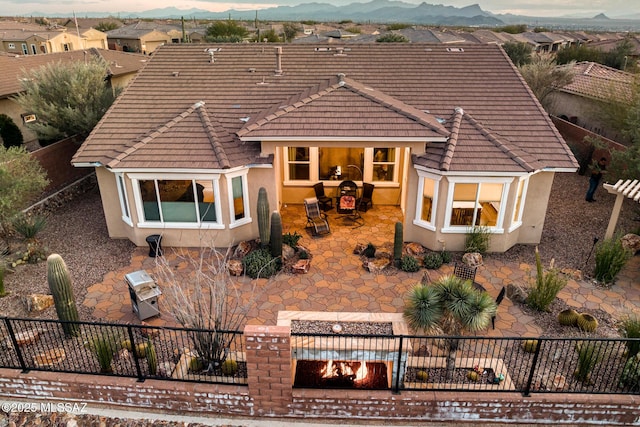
[
  {"x": 460, "y": 138},
  {"x": 123, "y": 68}
]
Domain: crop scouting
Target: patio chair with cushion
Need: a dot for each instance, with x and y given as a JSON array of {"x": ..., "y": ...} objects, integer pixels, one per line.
[
  {"x": 315, "y": 217},
  {"x": 325, "y": 201}
]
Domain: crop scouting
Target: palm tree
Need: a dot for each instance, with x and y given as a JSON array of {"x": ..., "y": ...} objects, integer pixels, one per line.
[{"x": 451, "y": 304}]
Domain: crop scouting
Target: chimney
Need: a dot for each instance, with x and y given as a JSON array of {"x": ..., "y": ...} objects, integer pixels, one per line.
[{"x": 278, "y": 61}]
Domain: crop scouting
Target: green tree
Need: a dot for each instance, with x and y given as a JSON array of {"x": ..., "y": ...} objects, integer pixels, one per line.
[
  {"x": 543, "y": 76},
  {"x": 290, "y": 30},
  {"x": 21, "y": 179},
  {"x": 519, "y": 52},
  {"x": 451, "y": 304},
  {"x": 512, "y": 29},
  {"x": 10, "y": 132},
  {"x": 397, "y": 26},
  {"x": 67, "y": 98},
  {"x": 228, "y": 31},
  {"x": 621, "y": 56},
  {"x": 270, "y": 36},
  {"x": 392, "y": 38},
  {"x": 578, "y": 53},
  {"x": 105, "y": 26}
]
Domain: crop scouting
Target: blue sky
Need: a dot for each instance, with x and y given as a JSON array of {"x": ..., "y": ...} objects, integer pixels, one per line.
[{"x": 520, "y": 7}]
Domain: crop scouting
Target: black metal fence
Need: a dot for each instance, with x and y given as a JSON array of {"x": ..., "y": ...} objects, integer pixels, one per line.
[
  {"x": 123, "y": 350},
  {"x": 525, "y": 365}
]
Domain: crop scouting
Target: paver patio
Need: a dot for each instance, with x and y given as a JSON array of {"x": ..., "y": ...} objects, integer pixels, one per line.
[{"x": 337, "y": 281}]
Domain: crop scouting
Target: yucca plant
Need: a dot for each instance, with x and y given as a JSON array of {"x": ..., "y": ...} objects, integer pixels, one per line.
[
  {"x": 546, "y": 287},
  {"x": 630, "y": 328},
  {"x": 28, "y": 226},
  {"x": 610, "y": 257}
]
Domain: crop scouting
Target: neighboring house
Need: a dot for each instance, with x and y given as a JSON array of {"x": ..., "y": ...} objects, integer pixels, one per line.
[
  {"x": 140, "y": 40},
  {"x": 582, "y": 100},
  {"x": 123, "y": 69},
  {"x": 452, "y": 136},
  {"x": 28, "y": 42}
]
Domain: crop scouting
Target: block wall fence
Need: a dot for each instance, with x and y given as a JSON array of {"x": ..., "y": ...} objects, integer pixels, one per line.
[{"x": 269, "y": 394}]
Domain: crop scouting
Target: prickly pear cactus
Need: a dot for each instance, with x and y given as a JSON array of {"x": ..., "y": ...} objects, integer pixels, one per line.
[
  {"x": 276, "y": 235},
  {"x": 263, "y": 216},
  {"x": 397, "y": 242},
  {"x": 60, "y": 286}
]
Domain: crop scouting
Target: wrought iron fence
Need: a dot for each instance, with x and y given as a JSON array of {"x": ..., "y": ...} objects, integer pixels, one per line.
[
  {"x": 137, "y": 351},
  {"x": 525, "y": 365}
]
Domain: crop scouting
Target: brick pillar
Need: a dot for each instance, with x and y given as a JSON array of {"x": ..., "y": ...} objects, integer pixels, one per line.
[{"x": 268, "y": 351}]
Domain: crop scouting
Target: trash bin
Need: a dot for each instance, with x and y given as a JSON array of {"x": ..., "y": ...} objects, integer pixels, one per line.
[
  {"x": 155, "y": 249},
  {"x": 144, "y": 293}
]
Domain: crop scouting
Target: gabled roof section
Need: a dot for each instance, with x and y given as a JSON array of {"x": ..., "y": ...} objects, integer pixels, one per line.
[
  {"x": 472, "y": 147},
  {"x": 600, "y": 82},
  {"x": 190, "y": 140},
  {"x": 334, "y": 109}
]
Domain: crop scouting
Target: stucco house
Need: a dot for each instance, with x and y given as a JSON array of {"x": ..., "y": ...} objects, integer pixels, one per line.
[
  {"x": 123, "y": 68},
  {"x": 451, "y": 135}
]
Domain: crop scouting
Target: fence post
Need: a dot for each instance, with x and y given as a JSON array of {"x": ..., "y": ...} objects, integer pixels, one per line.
[
  {"x": 396, "y": 387},
  {"x": 16, "y": 347},
  {"x": 534, "y": 363},
  {"x": 135, "y": 358}
]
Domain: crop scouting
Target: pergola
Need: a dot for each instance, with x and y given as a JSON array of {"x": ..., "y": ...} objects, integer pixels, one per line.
[{"x": 630, "y": 189}]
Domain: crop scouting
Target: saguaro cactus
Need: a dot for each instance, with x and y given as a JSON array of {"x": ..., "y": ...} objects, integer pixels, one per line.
[
  {"x": 263, "y": 216},
  {"x": 397, "y": 242},
  {"x": 276, "y": 234},
  {"x": 60, "y": 286}
]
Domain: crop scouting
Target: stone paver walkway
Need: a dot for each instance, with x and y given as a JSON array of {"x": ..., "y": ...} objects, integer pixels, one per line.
[{"x": 338, "y": 282}]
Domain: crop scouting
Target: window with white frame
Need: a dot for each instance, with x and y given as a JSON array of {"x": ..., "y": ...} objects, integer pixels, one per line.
[
  {"x": 518, "y": 207},
  {"x": 124, "y": 202},
  {"x": 237, "y": 189},
  {"x": 476, "y": 204},
  {"x": 180, "y": 202},
  {"x": 25, "y": 49},
  {"x": 427, "y": 200},
  {"x": 312, "y": 164}
]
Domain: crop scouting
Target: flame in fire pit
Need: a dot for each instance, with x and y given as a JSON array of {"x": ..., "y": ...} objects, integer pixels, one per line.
[
  {"x": 341, "y": 374},
  {"x": 345, "y": 370}
]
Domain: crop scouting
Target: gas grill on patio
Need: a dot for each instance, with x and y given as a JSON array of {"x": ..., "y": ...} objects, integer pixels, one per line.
[{"x": 144, "y": 293}]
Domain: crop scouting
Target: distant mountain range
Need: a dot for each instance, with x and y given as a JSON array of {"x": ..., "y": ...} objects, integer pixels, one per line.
[{"x": 378, "y": 11}]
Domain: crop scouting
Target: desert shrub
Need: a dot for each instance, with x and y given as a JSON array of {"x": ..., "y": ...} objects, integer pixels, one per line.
[
  {"x": 369, "y": 251},
  {"x": 432, "y": 261},
  {"x": 303, "y": 254},
  {"x": 229, "y": 367},
  {"x": 589, "y": 355},
  {"x": 477, "y": 239},
  {"x": 260, "y": 263},
  {"x": 446, "y": 257},
  {"x": 409, "y": 264},
  {"x": 611, "y": 256},
  {"x": 547, "y": 286},
  {"x": 291, "y": 239},
  {"x": 631, "y": 374},
  {"x": 28, "y": 226},
  {"x": 104, "y": 346},
  {"x": 630, "y": 328}
]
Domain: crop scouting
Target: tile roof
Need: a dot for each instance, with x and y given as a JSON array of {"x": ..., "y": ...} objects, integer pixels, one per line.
[
  {"x": 239, "y": 86},
  {"x": 598, "y": 81},
  {"x": 14, "y": 66}
]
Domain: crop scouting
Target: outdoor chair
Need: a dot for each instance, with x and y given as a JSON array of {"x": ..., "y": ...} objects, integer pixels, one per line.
[
  {"x": 498, "y": 301},
  {"x": 315, "y": 217},
  {"x": 325, "y": 202},
  {"x": 365, "y": 202}
]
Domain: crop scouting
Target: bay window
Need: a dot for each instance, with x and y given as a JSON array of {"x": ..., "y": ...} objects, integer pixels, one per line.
[
  {"x": 237, "y": 189},
  {"x": 518, "y": 208},
  {"x": 472, "y": 204},
  {"x": 427, "y": 200}
]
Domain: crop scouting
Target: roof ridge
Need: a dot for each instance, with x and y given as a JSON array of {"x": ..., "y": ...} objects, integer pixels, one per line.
[
  {"x": 218, "y": 149},
  {"x": 450, "y": 147}
]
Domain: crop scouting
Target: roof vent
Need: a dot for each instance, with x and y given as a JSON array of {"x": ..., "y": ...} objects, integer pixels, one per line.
[
  {"x": 341, "y": 77},
  {"x": 251, "y": 70},
  {"x": 211, "y": 52},
  {"x": 278, "y": 71},
  {"x": 340, "y": 52},
  {"x": 459, "y": 110},
  {"x": 176, "y": 74},
  {"x": 455, "y": 49},
  {"x": 322, "y": 49}
]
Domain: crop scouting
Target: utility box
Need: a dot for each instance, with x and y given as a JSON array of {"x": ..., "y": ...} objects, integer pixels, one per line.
[{"x": 144, "y": 293}]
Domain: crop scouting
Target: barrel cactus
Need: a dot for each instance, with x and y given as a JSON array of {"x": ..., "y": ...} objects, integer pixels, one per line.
[
  {"x": 263, "y": 216},
  {"x": 397, "y": 242},
  {"x": 60, "y": 286},
  {"x": 587, "y": 322},
  {"x": 529, "y": 345},
  {"x": 568, "y": 317},
  {"x": 275, "y": 240}
]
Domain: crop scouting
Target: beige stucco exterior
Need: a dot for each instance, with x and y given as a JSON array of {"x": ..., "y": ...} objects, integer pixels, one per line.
[{"x": 146, "y": 43}]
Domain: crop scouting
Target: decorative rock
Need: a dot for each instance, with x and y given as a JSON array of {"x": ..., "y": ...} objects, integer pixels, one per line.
[
  {"x": 28, "y": 337},
  {"x": 631, "y": 242},
  {"x": 415, "y": 249},
  {"x": 38, "y": 302},
  {"x": 376, "y": 265},
  {"x": 574, "y": 274},
  {"x": 148, "y": 332},
  {"x": 301, "y": 266},
  {"x": 472, "y": 259},
  {"x": 235, "y": 267},
  {"x": 287, "y": 252},
  {"x": 242, "y": 249},
  {"x": 165, "y": 369},
  {"x": 182, "y": 367},
  {"x": 359, "y": 249},
  {"x": 49, "y": 357},
  {"x": 515, "y": 293}
]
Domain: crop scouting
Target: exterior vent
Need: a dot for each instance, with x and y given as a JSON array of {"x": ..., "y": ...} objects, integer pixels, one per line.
[
  {"x": 455, "y": 49},
  {"x": 322, "y": 49},
  {"x": 278, "y": 70}
]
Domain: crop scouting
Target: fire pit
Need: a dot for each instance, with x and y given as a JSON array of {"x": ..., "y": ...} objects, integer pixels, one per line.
[{"x": 341, "y": 374}]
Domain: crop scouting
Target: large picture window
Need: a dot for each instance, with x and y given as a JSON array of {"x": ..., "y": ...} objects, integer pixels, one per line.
[
  {"x": 476, "y": 204},
  {"x": 179, "y": 202}
]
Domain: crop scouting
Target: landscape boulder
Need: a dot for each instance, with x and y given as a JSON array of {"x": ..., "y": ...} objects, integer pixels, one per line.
[
  {"x": 631, "y": 242},
  {"x": 472, "y": 259},
  {"x": 38, "y": 302}
]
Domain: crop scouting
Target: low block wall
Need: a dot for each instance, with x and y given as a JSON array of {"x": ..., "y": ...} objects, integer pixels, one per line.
[{"x": 270, "y": 395}]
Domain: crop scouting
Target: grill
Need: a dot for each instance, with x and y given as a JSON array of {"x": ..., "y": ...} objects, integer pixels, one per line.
[{"x": 144, "y": 293}]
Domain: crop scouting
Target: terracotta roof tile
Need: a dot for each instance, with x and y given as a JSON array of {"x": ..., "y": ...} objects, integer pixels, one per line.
[
  {"x": 598, "y": 81},
  {"x": 240, "y": 88}
]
